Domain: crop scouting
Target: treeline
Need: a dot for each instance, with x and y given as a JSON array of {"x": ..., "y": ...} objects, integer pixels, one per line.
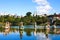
[{"x": 28, "y": 19}]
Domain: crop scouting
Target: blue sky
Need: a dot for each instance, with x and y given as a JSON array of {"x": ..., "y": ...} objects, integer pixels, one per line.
[
  {"x": 21, "y": 7},
  {"x": 55, "y": 4}
]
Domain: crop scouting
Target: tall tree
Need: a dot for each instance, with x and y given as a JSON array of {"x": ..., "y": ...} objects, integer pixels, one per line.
[{"x": 28, "y": 14}]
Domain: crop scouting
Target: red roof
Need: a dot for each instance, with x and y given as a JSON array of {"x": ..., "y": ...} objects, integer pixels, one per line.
[{"x": 58, "y": 15}]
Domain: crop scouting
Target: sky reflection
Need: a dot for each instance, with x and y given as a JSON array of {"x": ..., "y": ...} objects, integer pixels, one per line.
[{"x": 28, "y": 34}]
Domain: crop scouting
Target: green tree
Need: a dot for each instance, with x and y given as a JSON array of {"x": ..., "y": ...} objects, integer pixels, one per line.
[{"x": 28, "y": 14}]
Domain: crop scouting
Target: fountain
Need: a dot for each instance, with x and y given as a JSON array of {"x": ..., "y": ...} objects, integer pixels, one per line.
[
  {"x": 21, "y": 25},
  {"x": 48, "y": 27},
  {"x": 7, "y": 28},
  {"x": 54, "y": 27},
  {"x": 7, "y": 25},
  {"x": 35, "y": 25}
]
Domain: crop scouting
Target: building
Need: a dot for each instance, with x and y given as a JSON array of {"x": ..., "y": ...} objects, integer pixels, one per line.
[{"x": 58, "y": 16}]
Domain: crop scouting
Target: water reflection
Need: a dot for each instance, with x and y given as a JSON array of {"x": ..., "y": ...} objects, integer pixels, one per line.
[
  {"x": 33, "y": 34},
  {"x": 6, "y": 31},
  {"x": 21, "y": 33},
  {"x": 42, "y": 36}
]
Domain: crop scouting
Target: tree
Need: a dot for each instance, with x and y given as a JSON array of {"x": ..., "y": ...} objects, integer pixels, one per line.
[{"x": 28, "y": 14}]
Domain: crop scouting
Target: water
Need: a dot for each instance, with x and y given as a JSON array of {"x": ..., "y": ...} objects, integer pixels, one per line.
[{"x": 29, "y": 34}]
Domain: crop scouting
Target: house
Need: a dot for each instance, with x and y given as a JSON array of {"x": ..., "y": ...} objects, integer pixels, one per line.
[{"x": 58, "y": 16}]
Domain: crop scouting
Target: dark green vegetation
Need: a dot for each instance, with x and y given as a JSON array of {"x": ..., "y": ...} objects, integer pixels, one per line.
[{"x": 28, "y": 19}]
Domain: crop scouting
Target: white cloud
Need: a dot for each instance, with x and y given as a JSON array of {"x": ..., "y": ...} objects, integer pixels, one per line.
[
  {"x": 43, "y": 6},
  {"x": 40, "y": 2},
  {"x": 6, "y": 13}
]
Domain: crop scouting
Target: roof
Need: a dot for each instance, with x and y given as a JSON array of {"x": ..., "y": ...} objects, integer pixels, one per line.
[{"x": 58, "y": 15}]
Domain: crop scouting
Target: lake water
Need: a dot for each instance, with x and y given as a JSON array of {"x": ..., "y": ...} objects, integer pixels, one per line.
[{"x": 14, "y": 33}]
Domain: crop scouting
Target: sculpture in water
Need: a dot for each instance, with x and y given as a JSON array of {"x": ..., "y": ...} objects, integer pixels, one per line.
[
  {"x": 7, "y": 25},
  {"x": 21, "y": 25}
]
